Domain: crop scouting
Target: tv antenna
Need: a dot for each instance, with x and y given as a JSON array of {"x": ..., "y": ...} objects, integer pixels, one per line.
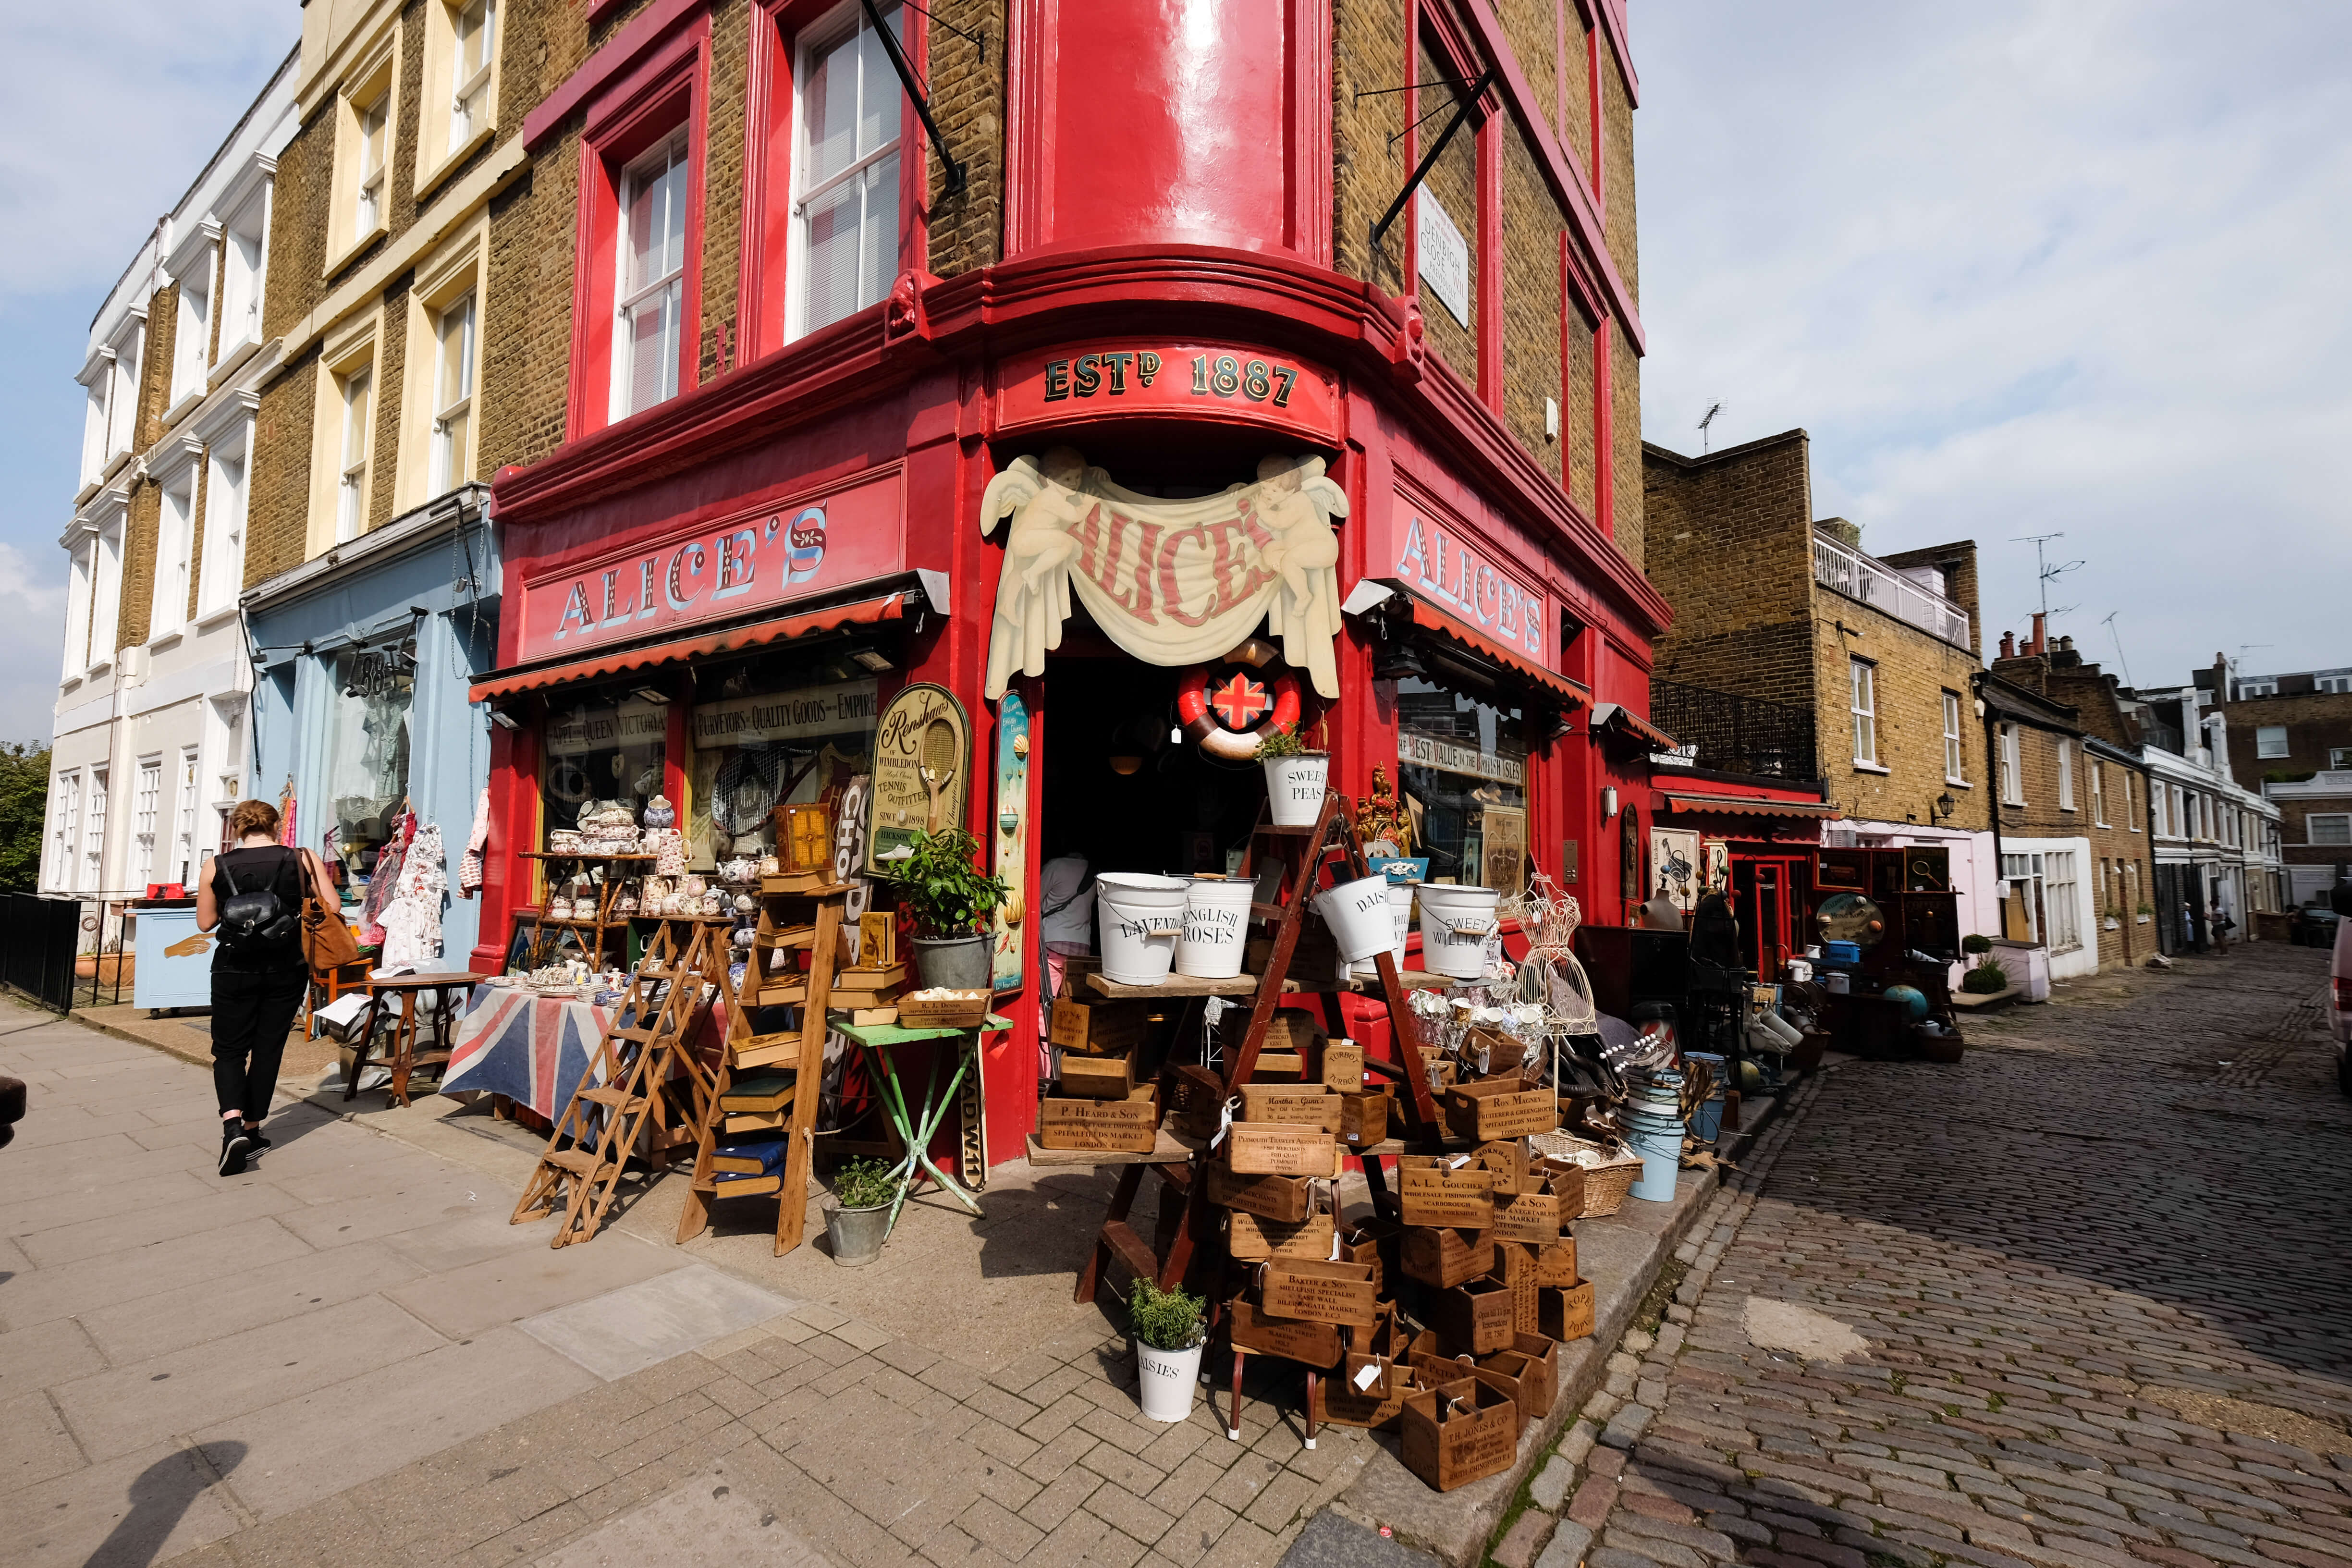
[
  {"x": 2109, "y": 621},
  {"x": 1706, "y": 442},
  {"x": 2238, "y": 663},
  {"x": 2047, "y": 573}
]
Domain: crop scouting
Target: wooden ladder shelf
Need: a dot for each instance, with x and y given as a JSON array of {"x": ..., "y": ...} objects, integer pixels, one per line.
[{"x": 1193, "y": 1247}]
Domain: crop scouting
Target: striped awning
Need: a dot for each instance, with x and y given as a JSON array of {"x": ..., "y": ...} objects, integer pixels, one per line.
[
  {"x": 1432, "y": 619},
  {"x": 734, "y": 639},
  {"x": 1750, "y": 805}
]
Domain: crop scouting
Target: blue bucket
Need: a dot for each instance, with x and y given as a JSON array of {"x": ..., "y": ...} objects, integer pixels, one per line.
[
  {"x": 1707, "y": 1122},
  {"x": 1654, "y": 1129}
]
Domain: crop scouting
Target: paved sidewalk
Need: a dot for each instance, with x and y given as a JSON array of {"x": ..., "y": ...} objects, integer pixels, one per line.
[{"x": 2083, "y": 1301}]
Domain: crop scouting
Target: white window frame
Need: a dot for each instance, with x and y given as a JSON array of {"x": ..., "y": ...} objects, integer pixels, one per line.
[
  {"x": 146, "y": 802},
  {"x": 2337, "y": 685},
  {"x": 93, "y": 830},
  {"x": 356, "y": 387},
  {"x": 2131, "y": 803},
  {"x": 1861, "y": 702},
  {"x": 2098, "y": 791},
  {"x": 664, "y": 290},
  {"x": 467, "y": 118},
  {"x": 125, "y": 355},
  {"x": 193, "y": 271},
  {"x": 185, "y": 859},
  {"x": 245, "y": 261},
  {"x": 2058, "y": 872},
  {"x": 1956, "y": 767},
  {"x": 839, "y": 26},
  {"x": 2012, "y": 767},
  {"x": 228, "y": 498},
  {"x": 175, "y": 550},
  {"x": 106, "y": 592},
  {"x": 66, "y": 830},
  {"x": 81, "y": 565},
  {"x": 2339, "y": 757},
  {"x": 2065, "y": 774},
  {"x": 452, "y": 457},
  {"x": 371, "y": 183},
  {"x": 98, "y": 380},
  {"x": 2271, "y": 740},
  {"x": 2311, "y": 827}
]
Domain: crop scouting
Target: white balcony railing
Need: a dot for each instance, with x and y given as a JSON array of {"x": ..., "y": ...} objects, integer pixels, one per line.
[{"x": 1879, "y": 586}]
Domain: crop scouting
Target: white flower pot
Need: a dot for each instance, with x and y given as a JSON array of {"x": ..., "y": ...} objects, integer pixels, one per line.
[
  {"x": 1168, "y": 1379},
  {"x": 1294, "y": 787}
]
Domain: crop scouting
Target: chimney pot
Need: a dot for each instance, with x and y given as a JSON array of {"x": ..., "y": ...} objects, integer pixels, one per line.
[
  {"x": 2037, "y": 644},
  {"x": 2008, "y": 645}
]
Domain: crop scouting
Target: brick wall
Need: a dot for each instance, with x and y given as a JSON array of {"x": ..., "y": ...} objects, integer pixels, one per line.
[
  {"x": 278, "y": 503},
  {"x": 1617, "y": 184},
  {"x": 390, "y": 394},
  {"x": 1914, "y": 670},
  {"x": 722, "y": 188},
  {"x": 1625, "y": 395},
  {"x": 2315, "y": 722},
  {"x": 1531, "y": 298},
  {"x": 2118, "y": 864},
  {"x": 299, "y": 194},
  {"x": 1577, "y": 124},
  {"x": 1454, "y": 181},
  {"x": 2295, "y": 832},
  {"x": 1726, "y": 542},
  {"x": 1576, "y": 417},
  {"x": 1368, "y": 168},
  {"x": 1532, "y": 28},
  {"x": 1958, "y": 561},
  {"x": 968, "y": 88},
  {"x": 141, "y": 532}
]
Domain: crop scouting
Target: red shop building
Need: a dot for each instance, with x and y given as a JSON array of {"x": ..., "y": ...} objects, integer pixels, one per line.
[{"x": 1175, "y": 398}]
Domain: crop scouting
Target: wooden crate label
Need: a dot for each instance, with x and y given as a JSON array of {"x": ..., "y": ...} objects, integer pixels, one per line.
[
  {"x": 1515, "y": 1266},
  {"x": 1500, "y": 1108},
  {"x": 1314, "y": 1292},
  {"x": 1338, "y": 1402},
  {"x": 1556, "y": 1265},
  {"x": 1442, "y": 1258},
  {"x": 1432, "y": 1190},
  {"x": 1565, "y": 1315},
  {"x": 1283, "y": 1199},
  {"x": 1457, "y": 1433},
  {"x": 1253, "y": 1240},
  {"x": 1293, "y": 1104},
  {"x": 1311, "y": 1344},
  {"x": 1474, "y": 1317},
  {"x": 1337, "y": 1064},
  {"x": 1099, "y": 1029},
  {"x": 1097, "y": 1078},
  {"x": 1529, "y": 1217},
  {"x": 1130, "y": 1125},
  {"x": 1507, "y": 1159},
  {"x": 1364, "y": 1117},
  {"x": 1272, "y": 1149}
]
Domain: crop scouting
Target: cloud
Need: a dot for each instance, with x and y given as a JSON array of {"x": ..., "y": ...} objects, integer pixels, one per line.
[
  {"x": 2021, "y": 268},
  {"x": 32, "y": 641}
]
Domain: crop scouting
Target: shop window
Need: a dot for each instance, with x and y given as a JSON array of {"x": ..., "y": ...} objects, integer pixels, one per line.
[
  {"x": 368, "y": 749},
  {"x": 846, "y": 177},
  {"x": 604, "y": 746},
  {"x": 1462, "y": 778},
  {"x": 778, "y": 729}
]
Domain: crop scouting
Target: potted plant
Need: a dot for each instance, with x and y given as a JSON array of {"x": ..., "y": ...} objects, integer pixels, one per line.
[
  {"x": 950, "y": 899},
  {"x": 1988, "y": 978},
  {"x": 1295, "y": 778},
  {"x": 859, "y": 1220},
  {"x": 1169, "y": 1337},
  {"x": 2146, "y": 910},
  {"x": 2114, "y": 920}
]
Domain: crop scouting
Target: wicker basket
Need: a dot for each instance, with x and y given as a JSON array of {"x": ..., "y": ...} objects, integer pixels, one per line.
[{"x": 1606, "y": 1185}]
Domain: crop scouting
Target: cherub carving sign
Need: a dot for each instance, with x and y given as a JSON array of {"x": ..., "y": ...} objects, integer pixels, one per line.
[{"x": 1172, "y": 582}]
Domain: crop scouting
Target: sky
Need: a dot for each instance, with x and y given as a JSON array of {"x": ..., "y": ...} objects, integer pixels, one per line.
[
  {"x": 2071, "y": 267},
  {"x": 2019, "y": 268}
]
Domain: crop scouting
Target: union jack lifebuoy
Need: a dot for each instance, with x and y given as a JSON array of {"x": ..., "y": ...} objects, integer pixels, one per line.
[{"x": 1219, "y": 721}]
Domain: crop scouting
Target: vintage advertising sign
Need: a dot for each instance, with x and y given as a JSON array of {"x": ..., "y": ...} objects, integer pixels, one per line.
[
  {"x": 922, "y": 769},
  {"x": 785, "y": 716},
  {"x": 766, "y": 555},
  {"x": 1433, "y": 555},
  {"x": 1012, "y": 840},
  {"x": 1123, "y": 377},
  {"x": 1172, "y": 582}
]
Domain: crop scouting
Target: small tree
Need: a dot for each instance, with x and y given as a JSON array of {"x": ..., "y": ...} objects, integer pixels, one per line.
[{"x": 24, "y": 811}]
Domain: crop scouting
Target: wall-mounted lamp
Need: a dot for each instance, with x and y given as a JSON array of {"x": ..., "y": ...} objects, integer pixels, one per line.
[
  {"x": 1945, "y": 806},
  {"x": 651, "y": 694},
  {"x": 503, "y": 719},
  {"x": 1608, "y": 803},
  {"x": 873, "y": 659}
]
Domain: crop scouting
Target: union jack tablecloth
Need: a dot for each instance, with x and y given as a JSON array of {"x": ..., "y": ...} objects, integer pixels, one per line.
[{"x": 533, "y": 1049}]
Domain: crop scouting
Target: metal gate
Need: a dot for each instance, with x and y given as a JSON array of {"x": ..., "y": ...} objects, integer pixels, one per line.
[{"x": 38, "y": 938}]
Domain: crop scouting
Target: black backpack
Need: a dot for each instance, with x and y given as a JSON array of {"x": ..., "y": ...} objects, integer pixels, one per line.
[{"x": 258, "y": 924}]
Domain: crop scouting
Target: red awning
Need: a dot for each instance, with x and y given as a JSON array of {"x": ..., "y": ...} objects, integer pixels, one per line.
[
  {"x": 734, "y": 639},
  {"x": 1750, "y": 805},
  {"x": 1626, "y": 721},
  {"x": 1430, "y": 618}
]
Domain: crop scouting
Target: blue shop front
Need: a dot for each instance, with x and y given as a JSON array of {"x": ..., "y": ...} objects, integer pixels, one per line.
[{"x": 361, "y": 721}]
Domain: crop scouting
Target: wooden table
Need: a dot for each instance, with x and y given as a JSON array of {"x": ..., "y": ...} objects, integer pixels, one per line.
[
  {"x": 916, "y": 1131},
  {"x": 405, "y": 1058}
]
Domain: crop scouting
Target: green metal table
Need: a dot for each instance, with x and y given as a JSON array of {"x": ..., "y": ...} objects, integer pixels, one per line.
[{"x": 917, "y": 1132}]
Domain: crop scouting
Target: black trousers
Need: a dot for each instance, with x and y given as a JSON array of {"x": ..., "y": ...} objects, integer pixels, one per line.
[{"x": 251, "y": 1016}]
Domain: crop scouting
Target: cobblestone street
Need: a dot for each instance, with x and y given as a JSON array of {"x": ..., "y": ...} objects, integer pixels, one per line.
[{"x": 2077, "y": 1303}]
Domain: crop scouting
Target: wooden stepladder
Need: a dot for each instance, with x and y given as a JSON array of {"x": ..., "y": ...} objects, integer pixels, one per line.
[
  {"x": 623, "y": 1101},
  {"x": 1313, "y": 859},
  {"x": 782, "y": 1069}
]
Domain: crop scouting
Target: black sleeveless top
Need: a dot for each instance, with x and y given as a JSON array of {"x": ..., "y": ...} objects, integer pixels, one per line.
[{"x": 271, "y": 866}]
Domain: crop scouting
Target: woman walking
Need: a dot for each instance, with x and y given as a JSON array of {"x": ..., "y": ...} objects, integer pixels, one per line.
[{"x": 254, "y": 894}]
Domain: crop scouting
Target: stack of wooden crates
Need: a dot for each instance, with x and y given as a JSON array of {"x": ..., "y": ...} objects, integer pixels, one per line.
[{"x": 1096, "y": 1102}]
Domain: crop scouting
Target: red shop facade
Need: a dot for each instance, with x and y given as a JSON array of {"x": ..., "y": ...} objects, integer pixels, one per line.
[{"x": 1088, "y": 476}]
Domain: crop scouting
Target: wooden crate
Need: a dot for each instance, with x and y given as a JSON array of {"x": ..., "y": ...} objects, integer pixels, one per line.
[
  {"x": 1274, "y": 1149},
  {"x": 1279, "y": 1067},
  {"x": 1199, "y": 1100},
  {"x": 1515, "y": 1266},
  {"x": 1286, "y": 1200},
  {"x": 1564, "y": 1181},
  {"x": 1432, "y": 1190},
  {"x": 1374, "y": 1243},
  {"x": 1099, "y": 1029},
  {"x": 1336, "y": 1064},
  {"x": 956, "y": 1010},
  {"x": 1442, "y": 1258},
  {"x": 1458, "y": 1432},
  {"x": 1302, "y": 1288},
  {"x": 1097, "y": 1078},
  {"x": 1369, "y": 1387},
  {"x": 1293, "y": 1104},
  {"x": 1437, "y": 1066},
  {"x": 1129, "y": 1126},
  {"x": 1565, "y": 1315},
  {"x": 1529, "y": 1372},
  {"x": 1253, "y": 1240},
  {"x": 1311, "y": 1344},
  {"x": 1529, "y": 1216},
  {"x": 1490, "y": 1108},
  {"x": 1556, "y": 1265},
  {"x": 1474, "y": 1317},
  {"x": 1364, "y": 1117},
  {"x": 1508, "y": 1158}
]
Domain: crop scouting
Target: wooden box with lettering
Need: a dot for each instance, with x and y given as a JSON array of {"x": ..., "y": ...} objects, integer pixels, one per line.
[
  {"x": 1458, "y": 1432},
  {"x": 1369, "y": 1388},
  {"x": 1565, "y": 1315},
  {"x": 1374, "y": 1242},
  {"x": 1274, "y": 1149},
  {"x": 1564, "y": 1181},
  {"x": 1253, "y": 1240},
  {"x": 1303, "y": 1289},
  {"x": 1556, "y": 1265},
  {"x": 1437, "y": 1067},
  {"x": 1294, "y": 1104},
  {"x": 1364, "y": 1117},
  {"x": 1127, "y": 1126},
  {"x": 1440, "y": 1189},
  {"x": 1508, "y": 1158},
  {"x": 1097, "y": 1078},
  {"x": 1099, "y": 1029},
  {"x": 1474, "y": 1317},
  {"x": 1529, "y": 1216},
  {"x": 1284, "y": 1200},
  {"x": 1443, "y": 1257},
  {"x": 1308, "y": 1343},
  {"x": 1279, "y": 1067},
  {"x": 1490, "y": 1108},
  {"x": 1515, "y": 1266},
  {"x": 1198, "y": 1100},
  {"x": 1529, "y": 1372},
  {"x": 1337, "y": 1064}
]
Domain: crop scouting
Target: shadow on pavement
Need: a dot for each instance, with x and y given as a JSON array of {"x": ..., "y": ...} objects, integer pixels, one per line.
[{"x": 159, "y": 1497}]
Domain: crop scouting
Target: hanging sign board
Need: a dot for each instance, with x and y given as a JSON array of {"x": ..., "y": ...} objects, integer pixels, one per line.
[
  {"x": 785, "y": 716},
  {"x": 1012, "y": 840},
  {"x": 1118, "y": 378},
  {"x": 1444, "y": 256},
  {"x": 922, "y": 770},
  {"x": 1443, "y": 561},
  {"x": 1172, "y": 581}
]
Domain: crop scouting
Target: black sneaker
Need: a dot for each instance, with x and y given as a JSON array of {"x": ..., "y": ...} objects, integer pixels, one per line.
[
  {"x": 234, "y": 1144},
  {"x": 257, "y": 1138}
]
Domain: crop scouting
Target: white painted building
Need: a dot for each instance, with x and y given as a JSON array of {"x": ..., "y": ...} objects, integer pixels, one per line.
[
  {"x": 2215, "y": 841},
  {"x": 152, "y": 741}
]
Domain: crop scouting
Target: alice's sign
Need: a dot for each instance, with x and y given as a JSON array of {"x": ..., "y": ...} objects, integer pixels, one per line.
[
  {"x": 1172, "y": 581},
  {"x": 1123, "y": 377},
  {"x": 1434, "y": 558},
  {"x": 721, "y": 568}
]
